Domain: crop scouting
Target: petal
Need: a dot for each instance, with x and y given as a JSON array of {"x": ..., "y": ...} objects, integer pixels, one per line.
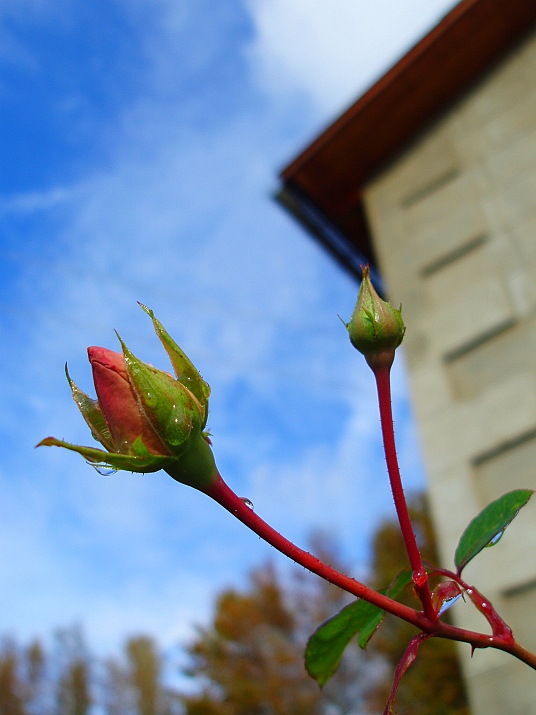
[{"x": 119, "y": 404}]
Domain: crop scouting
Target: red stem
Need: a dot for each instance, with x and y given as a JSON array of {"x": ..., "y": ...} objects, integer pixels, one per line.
[
  {"x": 221, "y": 493},
  {"x": 420, "y": 577}
]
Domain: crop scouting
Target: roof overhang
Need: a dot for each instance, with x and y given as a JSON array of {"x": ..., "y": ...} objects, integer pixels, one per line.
[{"x": 323, "y": 186}]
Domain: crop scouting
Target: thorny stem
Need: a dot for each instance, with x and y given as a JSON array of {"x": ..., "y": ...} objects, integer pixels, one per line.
[
  {"x": 221, "y": 493},
  {"x": 420, "y": 577}
]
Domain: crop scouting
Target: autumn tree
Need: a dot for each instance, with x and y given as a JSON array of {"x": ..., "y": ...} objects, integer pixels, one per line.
[
  {"x": 250, "y": 660},
  {"x": 12, "y": 696},
  {"x": 247, "y": 660},
  {"x": 35, "y": 678},
  {"x": 73, "y": 689},
  {"x": 134, "y": 683}
]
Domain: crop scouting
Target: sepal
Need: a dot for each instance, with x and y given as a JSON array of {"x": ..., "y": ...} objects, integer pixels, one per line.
[
  {"x": 184, "y": 369},
  {"x": 173, "y": 411},
  {"x": 142, "y": 462},
  {"x": 92, "y": 414}
]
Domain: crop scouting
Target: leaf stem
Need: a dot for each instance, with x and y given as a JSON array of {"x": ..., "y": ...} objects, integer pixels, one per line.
[{"x": 420, "y": 577}]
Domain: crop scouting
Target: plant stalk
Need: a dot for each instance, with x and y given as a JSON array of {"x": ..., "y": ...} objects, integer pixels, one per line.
[
  {"x": 224, "y": 495},
  {"x": 420, "y": 577},
  {"x": 221, "y": 493}
]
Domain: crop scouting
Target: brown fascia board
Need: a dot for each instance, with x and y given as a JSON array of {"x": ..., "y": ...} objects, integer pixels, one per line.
[{"x": 437, "y": 71}]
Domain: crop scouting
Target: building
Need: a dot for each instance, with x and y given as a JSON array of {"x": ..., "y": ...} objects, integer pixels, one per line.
[{"x": 431, "y": 175}]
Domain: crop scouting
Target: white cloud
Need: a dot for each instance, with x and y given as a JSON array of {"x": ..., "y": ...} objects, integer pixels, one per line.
[
  {"x": 333, "y": 49},
  {"x": 32, "y": 201},
  {"x": 190, "y": 231},
  {"x": 182, "y": 220}
]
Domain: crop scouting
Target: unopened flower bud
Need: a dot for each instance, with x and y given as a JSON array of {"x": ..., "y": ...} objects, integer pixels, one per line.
[
  {"x": 376, "y": 328},
  {"x": 144, "y": 418}
]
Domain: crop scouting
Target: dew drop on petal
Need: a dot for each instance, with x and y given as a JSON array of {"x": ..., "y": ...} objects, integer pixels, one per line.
[{"x": 248, "y": 502}]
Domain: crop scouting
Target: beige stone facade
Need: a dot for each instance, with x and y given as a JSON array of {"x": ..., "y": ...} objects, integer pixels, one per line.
[{"x": 454, "y": 226}]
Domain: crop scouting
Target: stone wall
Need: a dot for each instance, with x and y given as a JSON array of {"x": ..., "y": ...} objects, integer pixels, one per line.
[{"x": 454, "y": 224}]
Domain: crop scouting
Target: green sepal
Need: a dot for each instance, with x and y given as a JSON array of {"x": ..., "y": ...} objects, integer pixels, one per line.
[
  {"x": 145, "y": 462},
  {"x": 185, "y": 370},
  {"x": 327, "y": 644},
  {"x": 487, "y": 528},
  {"x": 376, "y": 329},
  {"x": 173, "y": 411},
  {"x": 92, "y": 414},
  {"x": 196, "y": 468}
]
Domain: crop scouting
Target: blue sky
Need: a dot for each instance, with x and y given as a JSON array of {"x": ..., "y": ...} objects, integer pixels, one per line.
[{"x": 141, "y": 143}]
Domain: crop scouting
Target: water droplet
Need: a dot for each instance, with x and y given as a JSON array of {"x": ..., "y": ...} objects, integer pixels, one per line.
[
  {"x": 419, "y": 577},
  {"x": 103, "y": 469},
  {"x": 248, "y": 502},
  {"x": 448, "y": 602},
  {"x": 495, "y": 539}
]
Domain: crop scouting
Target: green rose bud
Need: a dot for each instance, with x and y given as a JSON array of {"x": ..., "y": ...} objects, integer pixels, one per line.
[{"x": 376, "y": 328}]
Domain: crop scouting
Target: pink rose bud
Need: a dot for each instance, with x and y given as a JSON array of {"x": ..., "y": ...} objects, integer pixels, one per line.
[{"x": 144, "y": 418}]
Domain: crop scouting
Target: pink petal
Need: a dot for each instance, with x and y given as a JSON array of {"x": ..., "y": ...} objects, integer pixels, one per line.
[{"x": 118, "y": 403}]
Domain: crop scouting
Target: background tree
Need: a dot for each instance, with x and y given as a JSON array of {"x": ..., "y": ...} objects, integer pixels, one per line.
[
  {"x": 74, "y": 673},
  {"x": 35, "y": 678},
  {"x": 134, "y": 684},
  {"x": 250, "y": 660},
  {"x": 12, "y": 700},
  {"x": 22, "y": 679},
  {"x": 247, "y": 660}
]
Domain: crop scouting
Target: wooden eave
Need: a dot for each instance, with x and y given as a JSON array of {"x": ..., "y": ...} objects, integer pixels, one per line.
[{"x": 332, "y": 171}]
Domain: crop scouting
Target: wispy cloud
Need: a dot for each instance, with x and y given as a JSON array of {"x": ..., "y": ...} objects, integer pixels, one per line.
[
  {"x": 180, "y": 217},
  {"x": 333, "y": 51}
]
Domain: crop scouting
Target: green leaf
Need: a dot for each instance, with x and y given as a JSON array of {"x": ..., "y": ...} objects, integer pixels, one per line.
[
  {"x": 327, "y": 644},
  {"x": 487, "y": 528}
]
